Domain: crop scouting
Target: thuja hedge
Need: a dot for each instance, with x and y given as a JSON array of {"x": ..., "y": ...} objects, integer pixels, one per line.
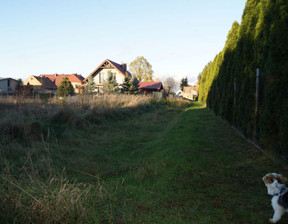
[{"x": 228, "y": 83}]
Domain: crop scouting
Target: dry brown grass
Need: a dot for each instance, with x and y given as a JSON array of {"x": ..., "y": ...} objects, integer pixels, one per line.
[
  {"x": 108, "y": 100},
  {"x": 56, "y": 201},
  {"x": 31, "y": 188},
  {"x": 35, "y": 192}
]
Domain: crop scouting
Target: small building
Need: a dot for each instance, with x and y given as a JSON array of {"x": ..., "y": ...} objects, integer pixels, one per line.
[
  {"x": 190, "y": 92},
  {"x": 8, "y": 85},
  {"x": 150, "y": 87},
  {"x": 100, "y": 74},
  {"x": 75, "y": 79},
  {"x": 179, "y": 93},
  {"x": 41, "y": 84}
]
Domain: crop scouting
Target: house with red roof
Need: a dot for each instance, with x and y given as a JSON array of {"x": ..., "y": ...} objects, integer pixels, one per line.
[
  {"x": 150, "y": 87},
  {"x": 40, "y": 84},
  {"x": 100, "y": 74},
  {"x": 75, "y": 79}
]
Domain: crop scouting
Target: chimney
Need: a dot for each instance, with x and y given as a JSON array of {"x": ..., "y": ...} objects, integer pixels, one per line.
[{"x": 124, "y": 66}]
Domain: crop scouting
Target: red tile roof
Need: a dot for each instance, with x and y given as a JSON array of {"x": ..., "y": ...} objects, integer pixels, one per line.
[
  {"x": 57, "y": 79},
  {"x": 52, "y": 77},
  {"x": 117, "y": 66},
  {"x": 72, "y": 78},
  {"x": 150, "y": 85},
  {"x": 46, "y": 83}
]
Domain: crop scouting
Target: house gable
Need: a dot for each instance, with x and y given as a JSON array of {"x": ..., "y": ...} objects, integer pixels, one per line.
[
  {"x": 110, "y": 65},
  {"x": 100, "y": 74},
  {"x": 40, "y": 83},
  {"x": 32, "y": 80}
]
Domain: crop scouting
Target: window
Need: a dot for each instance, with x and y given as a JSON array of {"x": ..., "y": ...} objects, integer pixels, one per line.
[
  {"x": 100, "y": 77},
  {"x": 8, "y": 84}
]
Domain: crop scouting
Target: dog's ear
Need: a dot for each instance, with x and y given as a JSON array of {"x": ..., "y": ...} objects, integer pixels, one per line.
[
  {"x": 281, "y": 179},
  {"x": 269, "y": 179}
]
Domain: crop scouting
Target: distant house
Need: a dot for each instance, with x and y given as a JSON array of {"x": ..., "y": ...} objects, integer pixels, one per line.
[
  {"x": 179, "y": 93},
  {"x": 41, "y": 84},
  {"x": 75, "y": 79},
  {"x": 100, "y": 74},
  {"x": 150, "y": 87},
  {"x": 190, "y": 92},
  {"x": 8, "y": 84}
]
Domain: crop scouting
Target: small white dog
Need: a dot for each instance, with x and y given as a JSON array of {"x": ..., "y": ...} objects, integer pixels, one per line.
[{"x": 275, "y": 184}]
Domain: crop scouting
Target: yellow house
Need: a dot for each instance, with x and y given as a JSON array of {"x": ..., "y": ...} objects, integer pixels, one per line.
[{"x": 40, "y": 84}]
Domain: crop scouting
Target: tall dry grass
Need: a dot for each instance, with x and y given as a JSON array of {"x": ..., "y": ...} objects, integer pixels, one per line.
[
  {"x": 52, "y": 200},
  {"x": 25, "y": 118},
  {"x": 32, "y": 188},
  {"x": 108, "y": 101}
]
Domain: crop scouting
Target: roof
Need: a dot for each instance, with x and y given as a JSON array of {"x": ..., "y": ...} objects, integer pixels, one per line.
[
  {"x": 46, "y": 82},
  {"x": 57, "y": 79},
  {"x": 72, "y": 78},
  {"x": 117, "y": 66},
  {"x": 8, "y": 78},
  {"x": 52, "y": 77},
  {"x": 150, "y": 85}
]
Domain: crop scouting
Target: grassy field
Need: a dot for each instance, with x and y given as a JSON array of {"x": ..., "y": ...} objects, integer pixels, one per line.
[{"x": 169, "y": 162}]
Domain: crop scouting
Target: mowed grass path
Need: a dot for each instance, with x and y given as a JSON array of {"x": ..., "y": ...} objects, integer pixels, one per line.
[{"x": 173, "y": 165}]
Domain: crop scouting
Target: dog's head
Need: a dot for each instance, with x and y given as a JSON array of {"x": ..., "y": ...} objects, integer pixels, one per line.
[{"x": 274, "y": 182}]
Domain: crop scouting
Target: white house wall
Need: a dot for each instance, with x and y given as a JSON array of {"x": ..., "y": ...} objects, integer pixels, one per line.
[
  {"x": 4, "y": 85},
  {"x": 104, "y": 74},
  {"x": 76, "y": 86}
]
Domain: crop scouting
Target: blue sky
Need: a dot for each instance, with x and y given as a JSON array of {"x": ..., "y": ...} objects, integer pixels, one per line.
[{"x": 178, "y": 38}]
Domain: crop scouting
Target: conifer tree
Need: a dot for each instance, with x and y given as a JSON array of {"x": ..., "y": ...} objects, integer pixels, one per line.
[
  {"x": 90, "y": 87},
  {"x": 65, "y": 88},
  {"x": 227, "y": 83},
  {"x": 184, "y": 82},
  {"x": 134, "y": 85},
  {"x": 126, "y": 85},
  {"x": 111, "y": 85}
]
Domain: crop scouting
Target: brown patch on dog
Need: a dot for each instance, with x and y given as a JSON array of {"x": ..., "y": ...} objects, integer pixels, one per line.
[
  {"x": 269, "y": 178},
  {"x": 281, "y": 179}
]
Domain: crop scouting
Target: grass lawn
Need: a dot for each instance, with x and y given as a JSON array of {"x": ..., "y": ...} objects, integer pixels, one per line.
[{"x": 168, "y": 165}]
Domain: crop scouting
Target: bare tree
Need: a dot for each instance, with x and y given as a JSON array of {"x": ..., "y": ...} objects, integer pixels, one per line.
[{"x": 170, "y": 84}]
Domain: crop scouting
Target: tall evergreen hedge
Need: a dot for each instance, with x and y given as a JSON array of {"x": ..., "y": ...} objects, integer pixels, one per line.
[{"x": 261, "y": 41}]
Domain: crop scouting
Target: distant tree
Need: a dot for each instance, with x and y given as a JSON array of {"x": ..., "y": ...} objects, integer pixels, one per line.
[
  {"x": 183, "y": 82},
  {"x": 110, "y": 85},
  {"x": 90, "y": 87},
  {"x": 199, "y": 78},
  {"x": 126, "y": 84},
  {"x": 18, "y": 85},
  {"x": 65, "y": 88},
  {"x": 130, "y": 85},
  {"x": 169, "y": 84},
  {"x": 134, "y": 85},
  {"x": 141, "y": 68}
]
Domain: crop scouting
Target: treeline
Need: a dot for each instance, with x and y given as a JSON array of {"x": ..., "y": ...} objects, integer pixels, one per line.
[{"x": 228, "y": 83}]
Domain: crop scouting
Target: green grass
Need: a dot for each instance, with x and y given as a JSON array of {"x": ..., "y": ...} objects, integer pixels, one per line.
[{"x": 171, "y": 164}]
